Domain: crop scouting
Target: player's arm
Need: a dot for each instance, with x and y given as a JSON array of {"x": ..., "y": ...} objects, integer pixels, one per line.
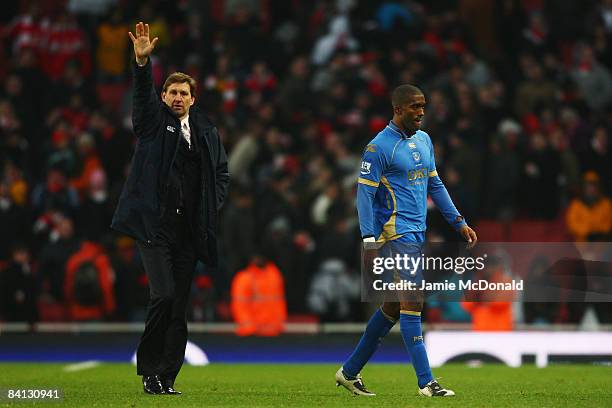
[
  {"x": 146, "y": 106},
  {"x": 373, "y": 164},
  {"x": 439, "y": 195}
]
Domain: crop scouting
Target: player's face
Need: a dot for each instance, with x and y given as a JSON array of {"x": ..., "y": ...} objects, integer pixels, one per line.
[
  {"x": 411, "y": 114},
  {"x": 178, "y": 97}
]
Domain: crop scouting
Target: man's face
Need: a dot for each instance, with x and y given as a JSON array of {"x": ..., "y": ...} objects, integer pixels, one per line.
[
  {"x": 411, "y": 114},
  {"x": 178, "y": 97}
]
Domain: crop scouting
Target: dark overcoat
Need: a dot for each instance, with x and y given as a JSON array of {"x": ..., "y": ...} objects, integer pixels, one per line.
[{"x": 158, "y": 130}]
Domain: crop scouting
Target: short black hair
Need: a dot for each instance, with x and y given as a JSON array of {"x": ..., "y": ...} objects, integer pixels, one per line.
[{"x": 403, "y": 93}]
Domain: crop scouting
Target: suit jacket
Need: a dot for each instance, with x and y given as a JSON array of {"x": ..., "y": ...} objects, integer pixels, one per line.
[{"x": 142, "y": 202}]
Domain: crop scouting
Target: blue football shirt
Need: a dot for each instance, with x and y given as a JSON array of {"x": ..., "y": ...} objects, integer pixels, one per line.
[{"x": 397, "y": 172}]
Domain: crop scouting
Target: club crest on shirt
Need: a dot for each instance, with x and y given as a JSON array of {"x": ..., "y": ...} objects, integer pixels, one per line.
[
  {"x": 416, "y": 156},
  {"x": 365, "y": 167},
  {"x": 170, "y": 128}
]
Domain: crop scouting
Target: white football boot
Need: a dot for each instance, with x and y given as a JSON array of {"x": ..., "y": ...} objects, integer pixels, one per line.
[
  {"x": 355, "y": 386},
  {"x": 433, "y": 389}
]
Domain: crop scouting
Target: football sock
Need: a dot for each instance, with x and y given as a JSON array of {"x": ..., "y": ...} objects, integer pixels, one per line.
[
  {"x": 377, "y": 328},
  {"x": 410, "y": 327}
]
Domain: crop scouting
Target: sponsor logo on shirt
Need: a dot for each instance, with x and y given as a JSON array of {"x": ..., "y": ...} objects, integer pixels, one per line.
[{"x": 417, "y": 174}]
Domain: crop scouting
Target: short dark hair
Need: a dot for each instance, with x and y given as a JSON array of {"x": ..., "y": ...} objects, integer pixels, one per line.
[
  {"x": 403, "y": 93},
  {"x": 180, "y": 78}
]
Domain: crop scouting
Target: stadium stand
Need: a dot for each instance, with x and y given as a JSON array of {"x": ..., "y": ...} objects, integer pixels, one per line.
[{"x": 519, "y": 108}]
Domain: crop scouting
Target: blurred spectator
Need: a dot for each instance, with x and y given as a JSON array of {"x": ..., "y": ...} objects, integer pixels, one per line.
[
  {"x": 9, "y": 122},
  {"x": 18, "y": 288},
  {"x": 25, "y": 31},
  {"x": 14, "y": 220},
  {"x": 258, "y": 299},
  {"x": 96, "y": 211},
  {"x": 441, "y": 305},
  {"x": 89, "y": 163},
  {"x": 223, "y": 83},
  {"x": 491, "y": 310},
  {"x": 294, "y": 92},
  {"x": 17, "y": 185},
  {"x": 445, "y": 311},
  {"x": 504, "y": 165},
  {"x": 589, "y": 217},
  {"x": 65, "y": 89},
  {"x": 468, "y": 163},
  {"x": 338, "y": 239},
  {"x": 462, "y": 194},
  {"x": 539, "y": 190},
  {"x": 570, "y": 167},
  {"x": 32, "y": 80},
  {"x": 477, "y": 73},
  {"x": 333, "y": 292},
  {"x": 88, "y": 284},
  {"x": 239, "y": 231},
  {"x": 391, "y": 15},
  {"x": 64, "y": 41},
  {"x": 22, "y": 108},
  {"x": 131, "y": 286},
  {"x": 604, "y": 12},
  {"x": 60, "y": 154},
  {"x": 261, "y": 80},
  {"x": 55, "y": 254},
  {"x": 593, "y": 79},
  {"x": 535, "y": 91},
  {"x": 55, "y": 194},
  {"x": 243, "y": 155},
  {"x": 536, "y": 33},
  {"x": 111, "y": 55},
  {"x": 338, "y": 38},
  {"x": 598, "y": 157},
  {"x": 322, "y": 204},
  {"x": 577, "y": 129}
]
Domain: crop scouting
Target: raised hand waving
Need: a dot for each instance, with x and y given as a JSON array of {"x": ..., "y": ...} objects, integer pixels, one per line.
[{"x": 143, "y": 46}]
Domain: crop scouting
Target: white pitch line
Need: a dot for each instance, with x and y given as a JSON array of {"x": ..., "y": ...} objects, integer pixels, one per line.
[{"x": 85, "y": 365}]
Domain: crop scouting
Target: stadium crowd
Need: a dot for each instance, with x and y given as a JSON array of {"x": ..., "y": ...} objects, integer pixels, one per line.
[{"x": 519, "y": 107}]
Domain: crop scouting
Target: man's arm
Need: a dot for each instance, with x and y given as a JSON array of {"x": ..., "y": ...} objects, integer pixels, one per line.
[
  {"x": 221, "y": 172},
  {"x": 365, "y": 199},
  {"x": 146, "y": 105},
  {"x": 372, "y": 166}
]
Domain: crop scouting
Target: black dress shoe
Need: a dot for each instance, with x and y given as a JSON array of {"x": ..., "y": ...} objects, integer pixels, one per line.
[
  {"x": 168, "y": 386},
  {"x": 171, "y": 391},
  {"x": 152, "y": 384}
]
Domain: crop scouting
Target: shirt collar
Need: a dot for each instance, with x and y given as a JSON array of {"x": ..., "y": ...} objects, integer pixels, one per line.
[
  {"x": 185, "y": 120},
  {"x": 396, "y": 128}
]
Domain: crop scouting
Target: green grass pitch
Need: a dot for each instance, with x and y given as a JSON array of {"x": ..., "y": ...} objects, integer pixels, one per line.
[{"x": 310, "y": 385}]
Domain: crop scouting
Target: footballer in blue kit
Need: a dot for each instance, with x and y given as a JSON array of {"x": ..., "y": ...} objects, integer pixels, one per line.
[{"x": 398, "y": 171}]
